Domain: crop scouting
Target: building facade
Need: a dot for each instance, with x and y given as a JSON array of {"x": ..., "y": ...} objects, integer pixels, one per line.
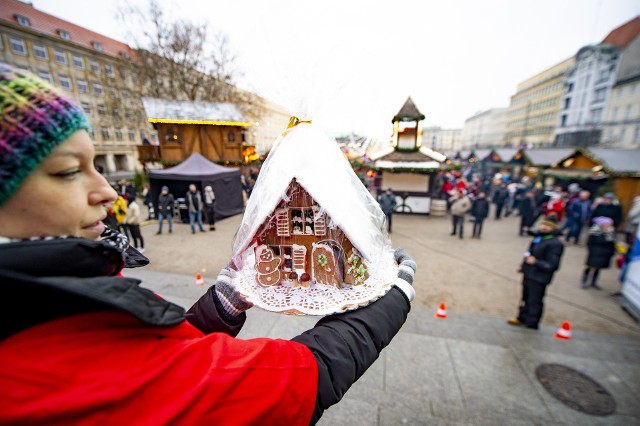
[
  {"x": 533, "y": 111},
  {"x": 586, "y": 94},
  {"x": 440, "y": 139},
  {"x": 485, "y": 129},
  {"x": 93, "y": 69},
  {"x": 621, "y": 127}
]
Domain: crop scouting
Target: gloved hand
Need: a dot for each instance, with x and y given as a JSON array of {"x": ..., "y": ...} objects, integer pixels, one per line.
[
  {"x": 232, "y": 301},
  {"x": 406, "y": 271}
]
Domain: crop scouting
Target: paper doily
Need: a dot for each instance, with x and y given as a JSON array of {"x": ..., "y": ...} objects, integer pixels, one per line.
[{"x": 318, "y": 299}]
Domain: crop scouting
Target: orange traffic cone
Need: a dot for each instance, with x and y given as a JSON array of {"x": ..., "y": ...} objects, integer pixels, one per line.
[
  {"x": 199, "y": 280},
  {"x": 442, "y": 311},
  {"x": 564, "y": 332}
]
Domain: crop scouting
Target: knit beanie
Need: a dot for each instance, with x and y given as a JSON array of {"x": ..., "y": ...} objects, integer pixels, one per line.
[{"x": 35, "y": 119}]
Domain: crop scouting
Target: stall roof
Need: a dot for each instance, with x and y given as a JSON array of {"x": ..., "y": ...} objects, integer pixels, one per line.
[
  {"x": 547, "y": 157},
  {"x": 617, "y": 160},
  {"x": 482, "y": 153},
  {"x": 506, "y": 154},
  {"x": 189, "y": 112},
  {"x": 194, "y": 166}
]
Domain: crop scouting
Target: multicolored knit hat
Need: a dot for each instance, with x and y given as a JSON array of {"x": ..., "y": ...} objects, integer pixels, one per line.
[{"x": 35, "y": 119}]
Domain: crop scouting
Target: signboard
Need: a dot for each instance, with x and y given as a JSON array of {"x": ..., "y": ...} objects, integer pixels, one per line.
[{"x": 631, "y": 286}]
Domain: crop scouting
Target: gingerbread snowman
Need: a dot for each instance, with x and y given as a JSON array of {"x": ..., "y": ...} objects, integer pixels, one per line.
[{"x": 267, "y": 265}]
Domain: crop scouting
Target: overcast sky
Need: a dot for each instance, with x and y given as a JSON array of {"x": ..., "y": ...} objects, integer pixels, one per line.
[{"x": 349, "y": 65}]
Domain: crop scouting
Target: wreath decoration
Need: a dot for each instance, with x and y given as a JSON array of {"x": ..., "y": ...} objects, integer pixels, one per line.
[{"x": 322, "y": 259}]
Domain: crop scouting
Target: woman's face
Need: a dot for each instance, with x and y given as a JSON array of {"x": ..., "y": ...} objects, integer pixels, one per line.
[{"x": 62, "y": 196}]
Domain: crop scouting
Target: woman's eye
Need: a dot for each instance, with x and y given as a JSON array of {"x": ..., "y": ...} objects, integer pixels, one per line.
[{"x": 67, "y": 174}]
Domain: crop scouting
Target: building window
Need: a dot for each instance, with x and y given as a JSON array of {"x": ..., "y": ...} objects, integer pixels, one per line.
[
  {"x": 45, "y": 75},
  {"x": 231, "y": 136},
  {"x": 64, "y": 34},
  {"x": 627, "y": 112},
  {"x": 108, "y": 70},
  {"x": 567, "y": 103},
  {"x": 40, "y": 52},
  {"x": 23, "y": 20},
  {"x": 132, "y": 135},
  {"x": 61, "y": 58},
  {"x": 134, "y": 77},
  {"x": 17, "y": 45},
  {"x": 563, "y": 123},
  {"x": 105, "y": 133},
  {"x": 83, "y": 87},
  {"x": 65, "y": 82},
  {"x": 122, "y": 72},
  {"x": 623, "y": 133},
  {"x": 118, "y": 134},
  {"x": 97, "y": 45},
  {"x": 101, "y": 109},
  {"x": 78, "y": 62},
  {"x": 97, "y": 89},
  {"x": 116, "y": 112},
  {"x": 95, "y": 67},
  {"x": 599, "y": 95},
  {"x": 596, "y": 115},
  {"x": 22, "y": 67},
  {"x": 636, "y": 134},
  {"x": 86, "y": 106}
]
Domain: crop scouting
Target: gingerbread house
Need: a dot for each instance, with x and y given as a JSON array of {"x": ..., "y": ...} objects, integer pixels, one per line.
[{"x": 310, "y": 221}]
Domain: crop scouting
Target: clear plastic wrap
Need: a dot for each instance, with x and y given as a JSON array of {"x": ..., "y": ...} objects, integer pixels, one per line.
[{"x": 312, "y": 240}]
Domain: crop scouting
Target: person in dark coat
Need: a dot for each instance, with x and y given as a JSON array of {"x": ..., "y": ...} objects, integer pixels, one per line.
[
  {"x": 578, "y": 212},
  {"x": 608, "y": 209},
  {"x": 528, "y": 211},
  {"x": 479, "y": 212},
  {"x": 387, "y": 204},
  {"x": 601, "y": 247},
  {"x": 539, "y": 264},
  {"x": 499, "y": 198},
  {"x": 165, "y": 208}
]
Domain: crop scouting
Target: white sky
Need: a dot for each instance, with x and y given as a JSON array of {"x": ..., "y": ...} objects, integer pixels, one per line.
[{"x": 350, "y": 64}]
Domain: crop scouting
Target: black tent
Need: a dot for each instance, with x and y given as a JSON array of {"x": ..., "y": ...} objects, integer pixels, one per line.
[{"x": 196, "y": 169}]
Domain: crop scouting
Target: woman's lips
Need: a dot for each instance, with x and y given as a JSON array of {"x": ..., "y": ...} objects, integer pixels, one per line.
[{"x": 97, "y": 227}]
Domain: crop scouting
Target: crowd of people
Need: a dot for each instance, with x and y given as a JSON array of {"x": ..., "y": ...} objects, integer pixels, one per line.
[{"x": 547, "y": 216}]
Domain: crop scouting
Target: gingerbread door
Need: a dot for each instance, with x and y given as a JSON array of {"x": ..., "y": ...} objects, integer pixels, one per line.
[{"x": 325, "y": 265}]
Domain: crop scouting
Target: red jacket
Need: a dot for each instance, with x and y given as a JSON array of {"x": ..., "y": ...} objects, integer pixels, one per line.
[{"x": 58, "y": 374}]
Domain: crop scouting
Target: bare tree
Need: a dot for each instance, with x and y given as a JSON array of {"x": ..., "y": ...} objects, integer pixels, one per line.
[{"x": 178, "y": 58}]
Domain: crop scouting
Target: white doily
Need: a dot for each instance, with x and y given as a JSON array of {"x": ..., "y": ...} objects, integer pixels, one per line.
[{"x": 318, "y": 299}]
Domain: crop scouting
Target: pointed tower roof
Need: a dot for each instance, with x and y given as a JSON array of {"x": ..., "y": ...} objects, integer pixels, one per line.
[{"x": 408, "y": 112}]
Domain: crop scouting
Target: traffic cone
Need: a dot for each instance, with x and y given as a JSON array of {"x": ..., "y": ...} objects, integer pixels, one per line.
[
  {"x": 442, "y": 311},
  {"x": 564, "y": 332},
  {"x": 199, "y": 280}
]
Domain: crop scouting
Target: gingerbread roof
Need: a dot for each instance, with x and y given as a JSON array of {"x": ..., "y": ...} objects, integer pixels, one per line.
[
  {"x": 622, "y": 36},
  {"x": 312, "y": 158},
  {"x": 50, "y": 25}
]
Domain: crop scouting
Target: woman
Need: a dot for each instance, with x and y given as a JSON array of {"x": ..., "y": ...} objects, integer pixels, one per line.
[
  {"x": 88, "y": 346},
  {"x": 132, "y": 221},
  {"x": 209, "y": 202},
  {"x": 601, "y": 248}
]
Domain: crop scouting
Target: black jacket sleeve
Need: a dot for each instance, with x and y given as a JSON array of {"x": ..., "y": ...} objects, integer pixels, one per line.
[
  {"x": 208, "y": 315},
  {"x": 345, "y": 345}
]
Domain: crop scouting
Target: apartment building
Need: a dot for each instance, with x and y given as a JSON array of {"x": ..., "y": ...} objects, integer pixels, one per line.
[
  {"x": 533, "y": 110},
  {"x": 439, "y": 139},
  {"x": 93, "y": 69},
  {"x": 621, "y": 126},
  {"x": 485, "y": 129}
]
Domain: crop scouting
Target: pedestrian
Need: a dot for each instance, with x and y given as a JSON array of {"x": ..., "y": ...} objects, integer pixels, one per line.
[
  {"x": 88, "y": 346},
  {"x": 479, "y": 212},
  {"x": 120, "y": 209},
  {"x": 127, "y": 190},
  {"x": 578, "y": 213},
  {"x": 110, "y": 220},
  {"x": 209, "y": 204},
  {"x": 194, "y": 203},
  {"x": 609, "y": 208},
  {"x": 632, "y": 221},
  {"x": 601, "y": 247},
  {"x": 554, "y": 206},
  {"x": 460, "y": 206},
  {"x": 146, "y": 194},
  {"x": 499, "y": 198},
  {"x": 132, "y": 220},
  {"x": 446, "y": 188},
  {"x": 540, "y": 262},
  {"x": 387, "y": 204},
  {"x": 166, "y": 204},
  {"x": 528, "y": 211}
]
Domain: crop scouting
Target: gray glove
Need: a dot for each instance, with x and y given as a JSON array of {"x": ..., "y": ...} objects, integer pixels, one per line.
[
  {"x": 406, "y": 271},
  {"x": 232, "y": 301}
]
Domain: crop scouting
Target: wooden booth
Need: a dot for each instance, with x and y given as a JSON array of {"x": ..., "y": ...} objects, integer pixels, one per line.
[
  {"x": 214, "y": 130},
  {"x": 408, "y": 167},
  {"x": 593, "y": 167}
]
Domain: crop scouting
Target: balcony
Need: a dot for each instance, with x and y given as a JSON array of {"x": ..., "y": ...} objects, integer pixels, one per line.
[{"x": 149, "y": 153}]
